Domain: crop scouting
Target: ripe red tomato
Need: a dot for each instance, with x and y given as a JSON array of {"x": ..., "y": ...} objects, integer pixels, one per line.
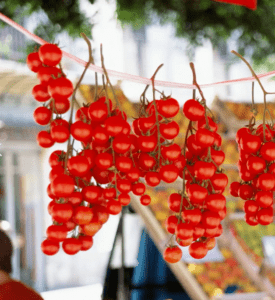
[
  {"x": 98, "y": 111},
  {"x": 171, "y": 224},
  {"x": 246, "y": 191},
  {"x": 60, "y": 134},
  {"x": 81, "y": 131},
  {"x": 49, "y": 247},
  {"x": 215, "y": 202},
  {"x": 250, "y": 143},
  {"x": 172, "y": 254},
  {"x": 50, "y": 206},
  {"x": 44, "y": 74},
  {"x": 101, "y": 213},
  {"x": 124, "y": 199},
  {"x": 255, "y": 164},
  {"x": 40, "y": 93},
  {"x": 57, "y": 233},
  {"x": 145, "y": 200},
  {"x": 101, "y": 176},
  {"x": 138, "y": 188},
  {"x": 266, "y": 182},
  {"x": 218, "y": 156},
  {"x": 210, "y": 219},
  {"x": 60, "y": 88},
  {"x": 174, "y": 202},
  {"x": 219, "y": 181},
  {"x": 109, "y": 193},
  {"x": 100, "y": 135},
  {"x": 204, "y": 170},
  {"x": 124, "y": 164},
  {"x": 169, "y": 173},
  {"x": 86, "y": 242},
  {"x": 198, "y": 250},
  {"x": 251, "y": 219},
  {"x": 242, "y": 132},
  {"x": 245, "y": 174},
  {"x": 70, "y": 225},
  {"x": 180, "y": 164},
  {"x": 210, "y": 243},
  {"x": 211, "y": 232},
  {"x": 44, "y": 139},
  {"x": 50, "y": 193},
  {"x": 269, "y": 133},
  {"x": 72, "y": 246},
  {"x": 147, "y": 143},
  {"x": 60, "y": 122},
  {"x": 193, "y": 146},
  {"x": 75, "y": 199},
  {"x": 82, "y": 114},
  {"x": 113, "y": 207},
  {"x": 90, "y": 154},
  {"x": 212, "y": 125},
  {"x": 264, "y": 199},
  {"x": 234, "y": 189},
  {"x": 169, "y": 130},
  {"x": 185, "y": 243},
  {"x": 82, "y": 215},
  {"x": 114, "y": 125},
  {"x": 196, "y": 193},
  {"x": 184, "y": 231},
  {"x": 124, "y": 185},
  {"x": 62, "y": 186},
  {"x": 168, "y": 107},
  {"x": 78, "y": 165},
  {"x": 92, "y": 228},
  {"x": 265, "y": 216},
  {"x": 62, "y": 212},
  {"x": 60, "y": 106},
  {"x": 42, "y": 115},
  {"x": 204, "y": 138},
  {"x": 171, "y": 152},
  {"x": 33, "y": 62},
  {"x": 268, "y": 151},
  {"x": 56, "y": 171},
  {"x": 193, "y": 110},
  {"x": 251, "y": 207},
  {"x": 104, "y": 160},
  {"x": 121, "y": 143},
  {"x": 91, "y": 193},
  {"x": 146, "y": 161},
  {"x": 152, "y": 178},
  {"x": 50, "y": 54},
  {"x": 192, "y": 216},
  {"x": 198, "y": 231},
  {"x": 146, "y": 124},
  {"x": 222, "y": 213}
]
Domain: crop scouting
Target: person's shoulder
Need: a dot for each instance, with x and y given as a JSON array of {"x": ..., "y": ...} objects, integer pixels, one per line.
[{"x": 25, "y": 291}]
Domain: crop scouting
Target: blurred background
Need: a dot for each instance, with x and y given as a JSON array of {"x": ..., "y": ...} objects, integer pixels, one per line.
[{"x": 137, "y": 36}]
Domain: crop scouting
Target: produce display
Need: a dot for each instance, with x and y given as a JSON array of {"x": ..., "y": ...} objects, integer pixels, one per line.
[{"x": 250, "y": 239}]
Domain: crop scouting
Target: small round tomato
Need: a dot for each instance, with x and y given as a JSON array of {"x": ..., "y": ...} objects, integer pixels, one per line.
[{"x": 172, "y": 254}]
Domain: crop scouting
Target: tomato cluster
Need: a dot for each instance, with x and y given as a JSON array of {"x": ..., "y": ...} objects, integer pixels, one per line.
[
  {"x": 200, "y": 206},
  {"x": 88, "y": 186},
  {"x": 158, "y": 157},
  {"x": 53, "y": 91},
  {"x": 257, "y": 172}
]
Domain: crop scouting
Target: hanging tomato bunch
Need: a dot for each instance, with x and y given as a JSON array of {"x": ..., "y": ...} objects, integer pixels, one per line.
[
  {"x": 256, "y": 165},
  {"x": 87, "y": 186},
  {"x": 200, "y": 205}
]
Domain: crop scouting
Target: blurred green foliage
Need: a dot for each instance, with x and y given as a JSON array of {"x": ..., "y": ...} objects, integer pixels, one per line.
[{"x": 196, "y": 20}]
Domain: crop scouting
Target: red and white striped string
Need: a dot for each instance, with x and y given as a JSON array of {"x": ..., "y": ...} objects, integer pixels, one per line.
[{"x": 129, "y": 77}]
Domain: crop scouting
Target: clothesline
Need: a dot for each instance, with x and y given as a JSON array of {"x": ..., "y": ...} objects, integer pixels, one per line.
[{"x": 129, "y": 77}]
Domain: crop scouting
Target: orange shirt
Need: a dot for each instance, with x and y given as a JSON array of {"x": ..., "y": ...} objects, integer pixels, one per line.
[{"x": 15, "y": 290}]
